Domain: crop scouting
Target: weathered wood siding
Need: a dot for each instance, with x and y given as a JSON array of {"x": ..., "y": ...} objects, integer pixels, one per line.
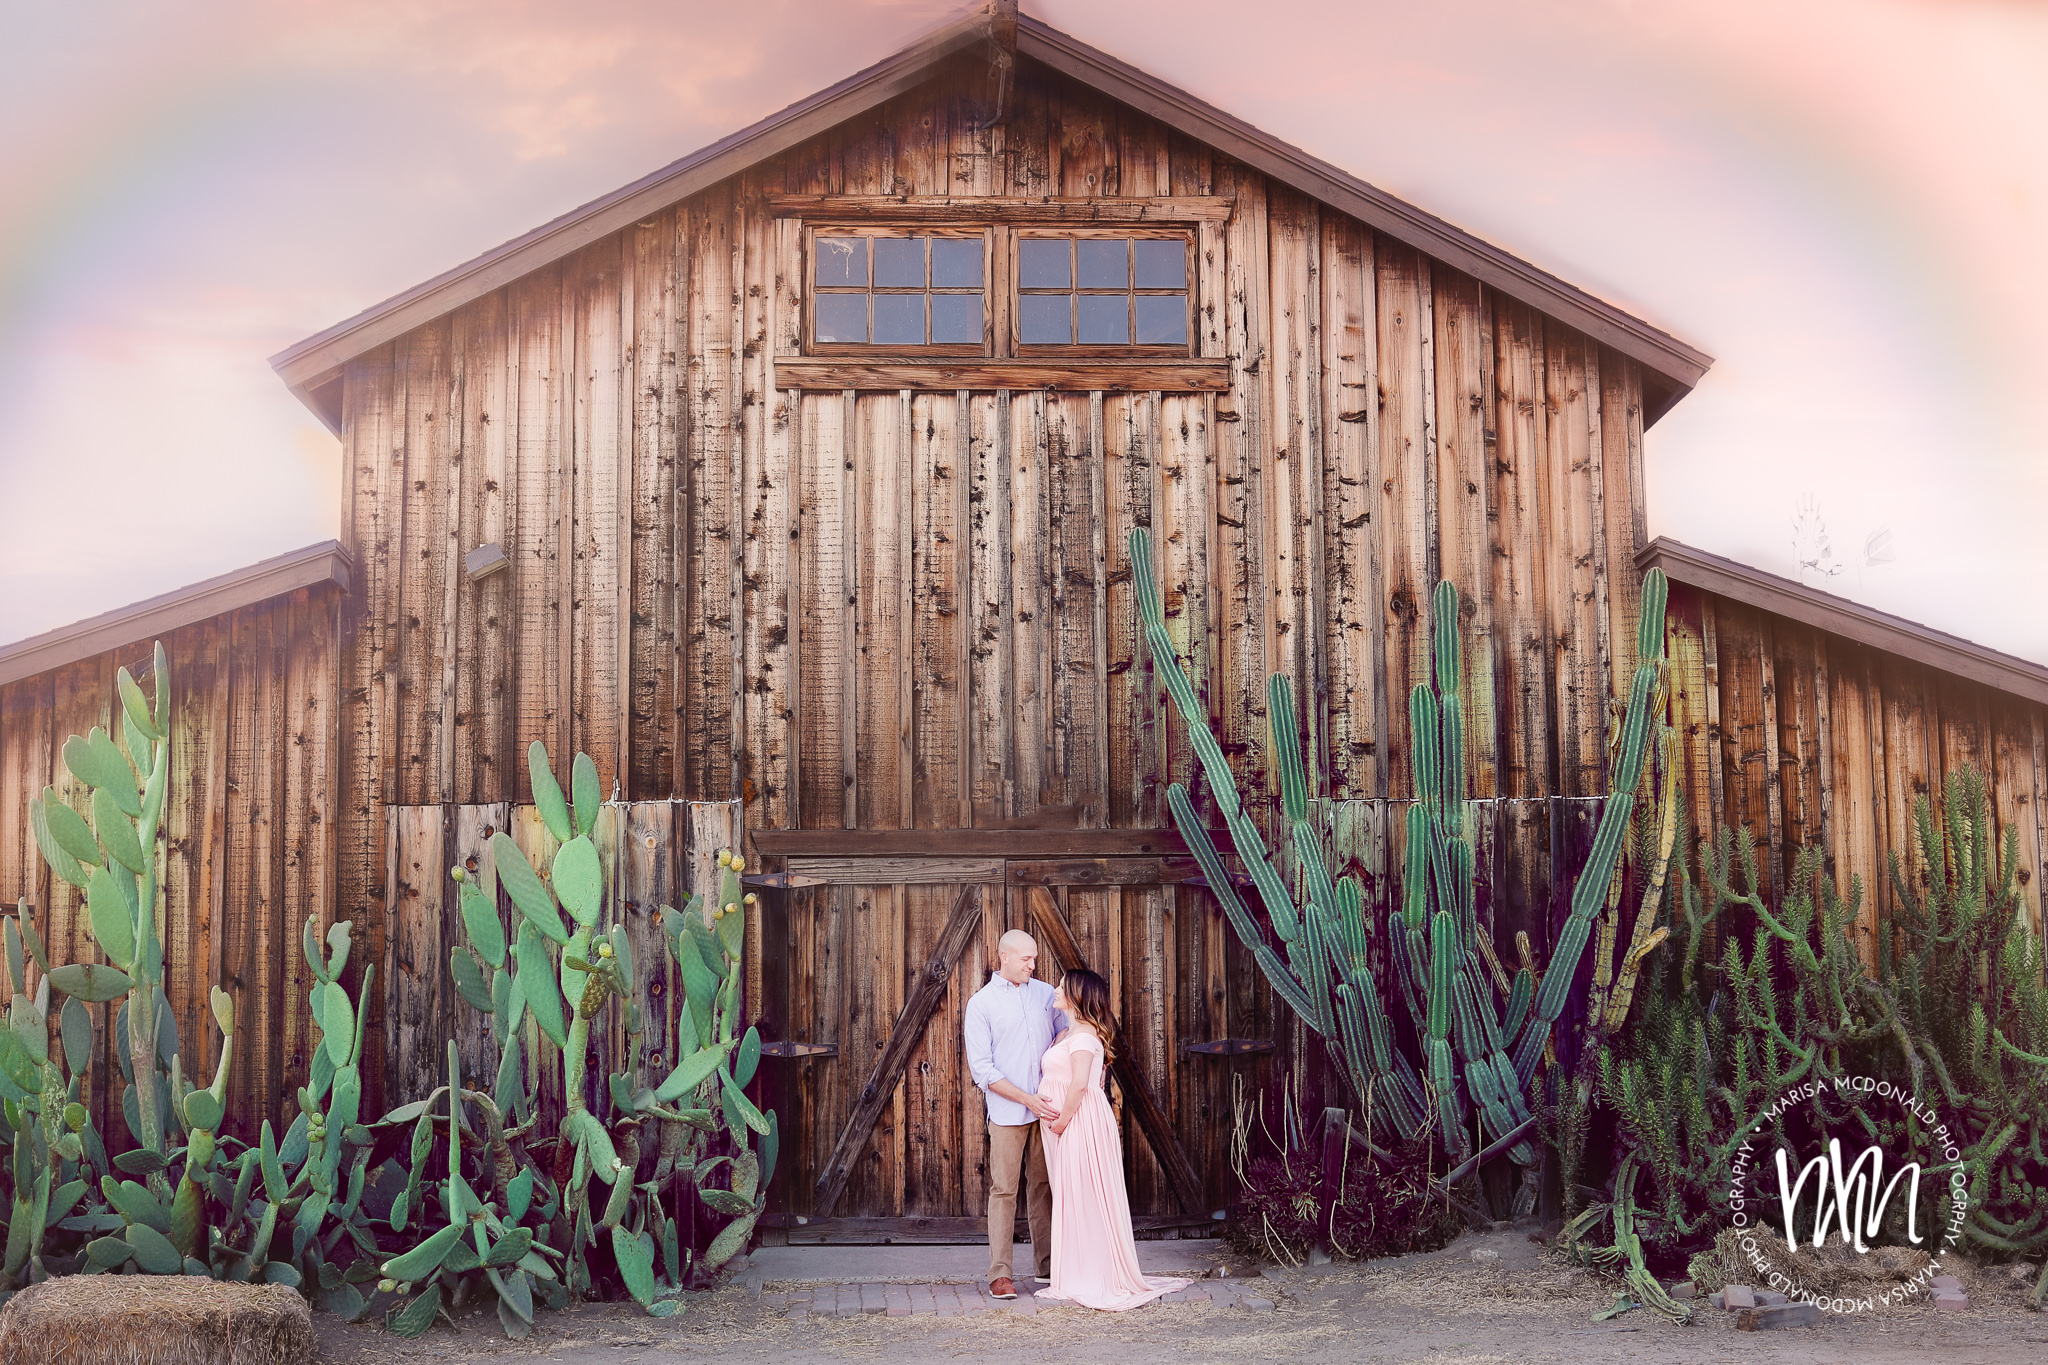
[
  {"x": 1809, "y": 739},
  {"x": 914, "y": 610},
  {"x": 249, "y": 848}
]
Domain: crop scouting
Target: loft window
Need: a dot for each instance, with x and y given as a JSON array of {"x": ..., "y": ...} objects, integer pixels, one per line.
[
  {"x": 998, "y": 291},
  {"x": 900, "y": 290},
  {"x": 1097, "y": 290}
]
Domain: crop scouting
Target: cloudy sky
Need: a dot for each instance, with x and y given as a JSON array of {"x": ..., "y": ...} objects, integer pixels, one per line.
[{"x": 1844, "y": 201}]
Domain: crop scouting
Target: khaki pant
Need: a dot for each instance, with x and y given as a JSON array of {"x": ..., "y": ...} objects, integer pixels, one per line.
[{"x": 1013, "y": 1151}]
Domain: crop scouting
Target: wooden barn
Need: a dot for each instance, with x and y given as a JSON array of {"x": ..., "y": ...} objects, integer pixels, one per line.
[{"x": 793, "y": 483}]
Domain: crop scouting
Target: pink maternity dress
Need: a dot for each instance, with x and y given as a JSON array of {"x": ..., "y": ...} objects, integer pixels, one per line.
[{"x": 1094, "y": 1258}]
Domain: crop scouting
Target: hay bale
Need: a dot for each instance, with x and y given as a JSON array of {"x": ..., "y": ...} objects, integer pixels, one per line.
[
  {"x": 155, "y": 1320},
  {"x": 1830, "y": 1269}
]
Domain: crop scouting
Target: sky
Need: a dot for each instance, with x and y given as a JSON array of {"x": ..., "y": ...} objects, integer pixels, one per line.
[{"x": 1845, "y": 202}]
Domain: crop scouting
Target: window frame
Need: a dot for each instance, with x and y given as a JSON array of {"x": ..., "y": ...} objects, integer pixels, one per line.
[
  {"x": 1001, "y": 291},
  {"x": 1103, "y": 350},
  {"x": 849, "y": 349}
]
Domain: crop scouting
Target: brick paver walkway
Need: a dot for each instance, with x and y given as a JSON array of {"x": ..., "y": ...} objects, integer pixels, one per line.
[{"x": 953, "y": 1300}]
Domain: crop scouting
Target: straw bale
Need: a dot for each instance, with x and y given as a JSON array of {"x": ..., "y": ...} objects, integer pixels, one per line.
[{"x": 155, "y": 1320}]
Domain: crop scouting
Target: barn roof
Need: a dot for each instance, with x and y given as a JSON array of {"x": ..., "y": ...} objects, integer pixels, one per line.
[
  {"x": 312, "y": 367},
  {"x": 325, "y": 562},
  {"x": 1850, "y": 620}
]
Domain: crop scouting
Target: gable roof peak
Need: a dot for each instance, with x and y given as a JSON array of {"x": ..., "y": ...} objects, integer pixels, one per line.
[{"x": 312, "y": 367}]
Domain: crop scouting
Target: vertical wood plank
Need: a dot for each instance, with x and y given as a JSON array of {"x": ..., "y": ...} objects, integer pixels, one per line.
[
  {"x": 649, "y": 682},
  {"x": 1521, "y": 551},
  {"x": 881, "y": 778},
  {"x": 1243, "y": 566},
  {"x": 1349, "y": 586},
  {"x": 1573, "y": 524},
  {"x": 601, "y": 434},
  {"x": 1405, "y": 424},
  {"x": 1464, "y": 517},
  {"x": 988, "y": 594},
  {"x": 536, "y": 547},
  {"x": 1028, "y": 595},
  {"x": 1295, "y": 643},
  {"x": 704, "y": 754},
  {"x": 937, "y": 769}
]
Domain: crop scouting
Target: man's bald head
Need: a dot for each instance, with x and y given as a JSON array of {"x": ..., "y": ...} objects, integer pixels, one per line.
[{"x": 1016, "y": 956}]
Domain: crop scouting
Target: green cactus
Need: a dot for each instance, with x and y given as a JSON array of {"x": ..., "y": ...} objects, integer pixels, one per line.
[
  {"x": 1479, "y": 1035},
  {"x": 565, "y": 974},
  {"x": 113, "y": 861}
]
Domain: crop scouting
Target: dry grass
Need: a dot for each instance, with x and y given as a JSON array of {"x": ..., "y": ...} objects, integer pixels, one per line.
[{"x": 155, "y": 1320}]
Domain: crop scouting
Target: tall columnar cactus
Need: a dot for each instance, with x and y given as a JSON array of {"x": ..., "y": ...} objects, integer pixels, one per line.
[{"x": 1478, "y": 1036}]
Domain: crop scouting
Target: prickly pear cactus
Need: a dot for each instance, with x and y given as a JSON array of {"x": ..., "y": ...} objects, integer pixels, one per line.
[{"x": 563, "y": 969}]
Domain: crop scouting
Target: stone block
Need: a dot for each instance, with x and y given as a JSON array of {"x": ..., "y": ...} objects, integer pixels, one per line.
[
  {"x": 1258, "y": 1305},
  {"x": 873, "y": 1298},
  {"x": 896, "y": 1301},
  {"x": 1946, "y": 1282},
  {"x": 797, "y": 1310},
  {"x": 1770, "y": 1298},
  {"x": 1777, "y": 1317},
  {"x": 1683, "y": 1290},
  {"x": 1951, "y": 1300},
  {"x": 1738, "y": 1296}
]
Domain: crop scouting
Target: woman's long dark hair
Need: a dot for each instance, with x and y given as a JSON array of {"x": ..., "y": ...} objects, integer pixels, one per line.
[{"x": 1088, "y": 1002}]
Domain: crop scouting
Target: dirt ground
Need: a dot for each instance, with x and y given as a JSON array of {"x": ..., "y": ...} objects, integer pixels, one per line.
[{"x": 1487, "y": 1298}]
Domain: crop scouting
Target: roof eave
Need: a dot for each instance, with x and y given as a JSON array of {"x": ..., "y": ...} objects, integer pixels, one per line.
[
  {"x": 1849, "y": 620},
  {"x": 315, "y": 565}
]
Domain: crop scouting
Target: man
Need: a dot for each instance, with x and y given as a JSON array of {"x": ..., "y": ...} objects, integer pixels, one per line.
[{"x": 1010, "y": 1023}]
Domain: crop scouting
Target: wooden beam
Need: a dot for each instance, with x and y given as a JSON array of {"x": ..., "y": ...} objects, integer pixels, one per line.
[
  {"x": 951, "y": 374},
  {"x": 972, "y": 843},
  {"x": 892, "y": 871},
  {"x": 925, "y": 997},
  {"x": 1145, "y": 1106},
  {"x": 1100, "y": 872},
  {"x": 957, "y": 209}
]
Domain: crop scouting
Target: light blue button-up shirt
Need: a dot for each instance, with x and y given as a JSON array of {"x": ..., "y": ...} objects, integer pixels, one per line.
[{"x": 1009, "y": 1027}]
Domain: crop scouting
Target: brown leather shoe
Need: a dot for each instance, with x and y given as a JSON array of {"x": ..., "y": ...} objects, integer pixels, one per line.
[{"x": 1002, "y": 1289}]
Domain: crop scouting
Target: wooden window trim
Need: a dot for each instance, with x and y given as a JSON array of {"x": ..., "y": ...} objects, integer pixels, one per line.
[
  {"x": 1084, "y": 350},
  {"x": 812, "y": 289},
  {"x": 1001, "y": 361},
  {"x": 974, "y": 210},
  {"x": 1069, "y": 374}
]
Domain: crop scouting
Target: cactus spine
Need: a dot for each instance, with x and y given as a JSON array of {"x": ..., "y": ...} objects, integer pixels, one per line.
[{"x": 1479, "y": 1035}]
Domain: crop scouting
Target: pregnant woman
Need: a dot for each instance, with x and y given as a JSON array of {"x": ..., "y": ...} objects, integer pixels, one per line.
[{"x": 1094, "y": 1257}]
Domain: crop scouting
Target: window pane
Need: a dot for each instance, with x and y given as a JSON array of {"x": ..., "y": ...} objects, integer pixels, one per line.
[
  {"x": 899, "y": 262},
  {"x": 1162, "y": 319},
  {"x": 956, "y": 318},
  {"x": 1042, "y": 320},
  {"x": 1103, "y": 264},
  {"x": 843, "y": 260},
  {"x": 956, "y": 262},
  {"x": 842, "y": 317},
  {"x": 1105, "y": 319},
  {"x": 1162, "y": 265},
  {"x": 899, "y": 319},
  {"x": 1042, "y": 263}
]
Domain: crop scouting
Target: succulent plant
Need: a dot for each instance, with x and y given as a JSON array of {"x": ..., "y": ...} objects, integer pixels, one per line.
[{"x": 1478, "y": 1035}]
